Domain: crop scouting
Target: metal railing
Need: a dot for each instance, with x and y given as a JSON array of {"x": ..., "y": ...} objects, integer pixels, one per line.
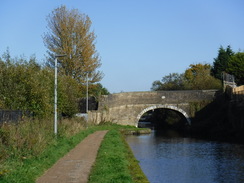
[
  {"x": 14, "y": 116},
  {"x": 228, "y": 80}
]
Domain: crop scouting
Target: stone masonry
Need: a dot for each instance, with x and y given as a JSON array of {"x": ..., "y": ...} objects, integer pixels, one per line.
[{"x": 127, "y": 108}]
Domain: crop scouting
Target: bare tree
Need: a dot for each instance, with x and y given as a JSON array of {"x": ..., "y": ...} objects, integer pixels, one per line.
[{"x": 69, "y": 33}]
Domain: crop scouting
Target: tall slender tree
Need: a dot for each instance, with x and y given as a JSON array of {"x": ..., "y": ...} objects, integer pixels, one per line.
[{"x": 69, "y": 33}]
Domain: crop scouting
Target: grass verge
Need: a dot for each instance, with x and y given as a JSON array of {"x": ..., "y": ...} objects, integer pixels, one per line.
[
  {"x": 115, "y": 162},
  {"x": 29, "y": 160},
  {"x": 27, "y": 170}
]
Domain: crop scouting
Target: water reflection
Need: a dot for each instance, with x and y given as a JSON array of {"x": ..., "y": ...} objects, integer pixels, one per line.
[{"x": 171, "y": 158}]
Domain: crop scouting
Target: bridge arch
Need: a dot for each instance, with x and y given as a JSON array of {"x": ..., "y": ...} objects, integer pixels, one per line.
[{"x": 164, "y": 107}]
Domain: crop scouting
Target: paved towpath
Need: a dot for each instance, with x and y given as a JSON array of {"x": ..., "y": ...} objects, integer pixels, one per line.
[{"x": 76, "y": 165}]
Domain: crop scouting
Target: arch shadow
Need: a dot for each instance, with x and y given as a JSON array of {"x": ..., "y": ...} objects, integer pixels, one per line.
[{"x": 165, "y": 107}]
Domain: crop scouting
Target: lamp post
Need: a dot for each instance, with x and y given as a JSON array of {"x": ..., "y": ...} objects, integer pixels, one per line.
[
  {"x": 56, "y": 93},
  {"x": 87, "y": 94},
  {"x": 87, "y": 97}
]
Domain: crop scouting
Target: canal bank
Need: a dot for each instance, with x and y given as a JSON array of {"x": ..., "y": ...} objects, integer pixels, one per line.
[{"x": 223, "y": 119}]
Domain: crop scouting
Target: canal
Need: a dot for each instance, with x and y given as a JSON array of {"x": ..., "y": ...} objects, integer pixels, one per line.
[{"x": 167, "y": 157}]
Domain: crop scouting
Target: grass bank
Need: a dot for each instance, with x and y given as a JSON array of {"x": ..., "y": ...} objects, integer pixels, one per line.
[{"x": 30, "y": 148}]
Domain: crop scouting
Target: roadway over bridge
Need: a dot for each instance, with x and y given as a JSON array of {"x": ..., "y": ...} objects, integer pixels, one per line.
[{"x": 127, "y": 108}]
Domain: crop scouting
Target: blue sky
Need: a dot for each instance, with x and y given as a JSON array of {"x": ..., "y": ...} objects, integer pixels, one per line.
[{"x": 139, "y": 41}]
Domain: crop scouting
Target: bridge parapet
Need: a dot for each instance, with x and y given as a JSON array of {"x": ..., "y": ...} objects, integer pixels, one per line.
[
  {"x": 157, "y": 97},
  {"x": 124, "y": 108}
]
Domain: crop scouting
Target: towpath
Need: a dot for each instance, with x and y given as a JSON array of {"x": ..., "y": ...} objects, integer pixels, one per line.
[{"x": 75, "y": 166}]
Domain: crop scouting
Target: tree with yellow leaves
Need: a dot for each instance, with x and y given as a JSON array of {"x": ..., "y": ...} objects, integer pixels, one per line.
[
  {"x": 69, "y": 33},
  {"x": 198, "y": 78}
]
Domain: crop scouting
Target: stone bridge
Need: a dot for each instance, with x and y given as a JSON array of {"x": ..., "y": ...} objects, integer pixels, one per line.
[{"x": 127, "y": 108}]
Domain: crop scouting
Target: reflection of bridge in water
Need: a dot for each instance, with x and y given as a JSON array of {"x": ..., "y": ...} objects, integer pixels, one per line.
[{"x": 128, "y": 108}]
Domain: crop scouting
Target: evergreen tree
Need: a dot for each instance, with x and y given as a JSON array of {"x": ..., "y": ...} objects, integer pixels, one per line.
[
  {"x": 236, "y": 67},
  {"x": 220, "y": 63}
]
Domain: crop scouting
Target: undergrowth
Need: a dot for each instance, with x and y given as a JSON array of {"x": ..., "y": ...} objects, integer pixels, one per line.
[{"x": 25, "y": 144}]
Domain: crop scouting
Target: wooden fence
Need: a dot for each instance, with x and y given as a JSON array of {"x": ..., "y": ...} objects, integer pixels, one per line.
[{"x": 238, "y": 93}]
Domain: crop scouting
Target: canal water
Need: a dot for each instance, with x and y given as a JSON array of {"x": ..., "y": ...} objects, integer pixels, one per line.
[{"x": 166, "y": 157}]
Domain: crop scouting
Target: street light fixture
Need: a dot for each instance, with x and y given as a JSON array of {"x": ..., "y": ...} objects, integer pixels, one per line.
[{"x": 56, "y": 93}]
